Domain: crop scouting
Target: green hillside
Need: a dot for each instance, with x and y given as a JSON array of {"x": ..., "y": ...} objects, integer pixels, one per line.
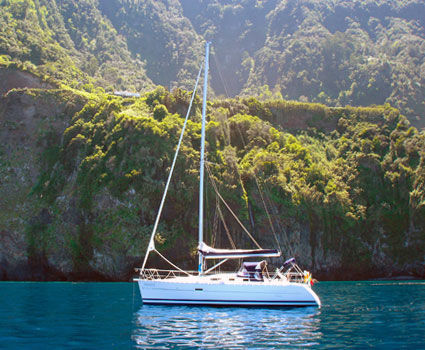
[
  {"x": 342, "y": 188},
  {"x": 339, "y": 53},
  {"x": 82, "y": 171},
  {"x": 70, "y": 41}
]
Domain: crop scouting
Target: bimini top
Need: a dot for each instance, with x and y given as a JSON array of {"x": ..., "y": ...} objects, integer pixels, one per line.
[
  {"x": 213, "y": 253},
  {"x": 252, "y": 270}
]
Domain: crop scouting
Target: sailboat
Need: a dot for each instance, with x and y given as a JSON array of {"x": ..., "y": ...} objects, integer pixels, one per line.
[{"x": 251, "y": 285}]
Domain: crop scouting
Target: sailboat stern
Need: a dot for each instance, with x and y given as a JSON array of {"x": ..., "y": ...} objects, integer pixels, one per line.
[{"x": 314, "y": 296}]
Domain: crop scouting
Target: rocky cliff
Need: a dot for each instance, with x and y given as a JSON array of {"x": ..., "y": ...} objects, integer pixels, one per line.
[{"x": 342, "y": 189}]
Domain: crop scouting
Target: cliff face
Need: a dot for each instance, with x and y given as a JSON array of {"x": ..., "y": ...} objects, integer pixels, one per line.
[
  {"x": 15, "y": 79},
  {"x": 82, "y": 175},
  {"x": 39, "y": 239},
  {"x": 30, "y": 120}
]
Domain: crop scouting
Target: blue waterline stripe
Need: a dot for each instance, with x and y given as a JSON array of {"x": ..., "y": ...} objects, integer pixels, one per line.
[{"x": 230, "y": 301}]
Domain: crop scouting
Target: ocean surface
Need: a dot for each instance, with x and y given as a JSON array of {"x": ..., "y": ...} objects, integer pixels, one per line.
[{"x": 387, "y": 315}]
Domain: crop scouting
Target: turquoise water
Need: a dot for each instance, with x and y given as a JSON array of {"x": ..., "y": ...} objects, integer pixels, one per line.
[{"x": 388, "y": 315}]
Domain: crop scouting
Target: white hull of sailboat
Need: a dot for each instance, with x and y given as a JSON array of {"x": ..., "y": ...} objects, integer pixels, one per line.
[
  {"x": 283, "y": 289},
  {"x": 204, "y": 291}
]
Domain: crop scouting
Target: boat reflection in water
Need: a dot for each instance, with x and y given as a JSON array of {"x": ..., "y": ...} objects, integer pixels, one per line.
[{"x": 205, "y": 327}]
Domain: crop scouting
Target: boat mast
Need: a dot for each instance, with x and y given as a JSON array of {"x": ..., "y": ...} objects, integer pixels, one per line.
[
  {"x": 151, "y": 245},
  {"x": 201, "y": 169}
]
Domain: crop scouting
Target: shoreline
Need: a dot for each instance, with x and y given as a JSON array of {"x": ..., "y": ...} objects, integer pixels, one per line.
[{"x": 105, "y": 280}]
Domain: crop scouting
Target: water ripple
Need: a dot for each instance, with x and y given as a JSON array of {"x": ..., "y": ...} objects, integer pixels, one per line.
[
  {"x": 225, "y": 328},
  {"x": 353, "y": 314},
  {"x": 389, "y": 315}
]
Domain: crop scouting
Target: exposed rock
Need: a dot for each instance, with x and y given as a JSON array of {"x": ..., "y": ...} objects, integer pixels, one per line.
[
  {"x": 24, "y": 116},
  {"x": 16, "y": 79},
  {"x": 60, "y": 240}
]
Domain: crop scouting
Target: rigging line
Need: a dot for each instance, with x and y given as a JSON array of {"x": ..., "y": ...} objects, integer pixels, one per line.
[
  {"x": 269, "y": 217},
  {"x": 228, "y": 139},
  {"x": 219, "y": 212},
  {"x": 237, "y": 169},
  {"x": 220, "y": 75},
  {"x": 215, "y": 225},
  {"x": 151, "y": 245},
  {"x": 230, "y": 210},
  {"x": 218, "y": 208},
  {"x": 261, "y": 194},
  {"x": 232, "y": 243},
  {"x": 288, "y": 246},
  {"x": 278, "y": 222},
  {"x": 175, "y": 266}
]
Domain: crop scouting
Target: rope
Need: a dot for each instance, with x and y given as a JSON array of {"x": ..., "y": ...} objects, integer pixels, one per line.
[
  {"x": 219, "y": 214},
  {"x": 255, "y": 177},
  {"x": 232, "y": 243},
  {"x": 151, "y": 245},
  {"x": 267, "y": 212},
  {"x": 175, "y": 266},
  {"x": 230, "y": 210},
  {"x": 285, "y": 235},
  {"x": 215, "y": 224},
  {"x": 219, "y": 73}
]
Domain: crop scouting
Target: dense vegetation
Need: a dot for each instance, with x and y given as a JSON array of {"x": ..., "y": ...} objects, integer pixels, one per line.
[
  {"x": 82, "y": 171},
  {"x": 342, "y": 188},
  {"x": 334, "y": 52},
  {"x": 338, "y": 53},
  {"x": 70, "y": 41}
]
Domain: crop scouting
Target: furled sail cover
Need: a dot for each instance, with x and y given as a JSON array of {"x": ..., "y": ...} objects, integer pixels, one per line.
[{"x": 213, "y": 253}]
